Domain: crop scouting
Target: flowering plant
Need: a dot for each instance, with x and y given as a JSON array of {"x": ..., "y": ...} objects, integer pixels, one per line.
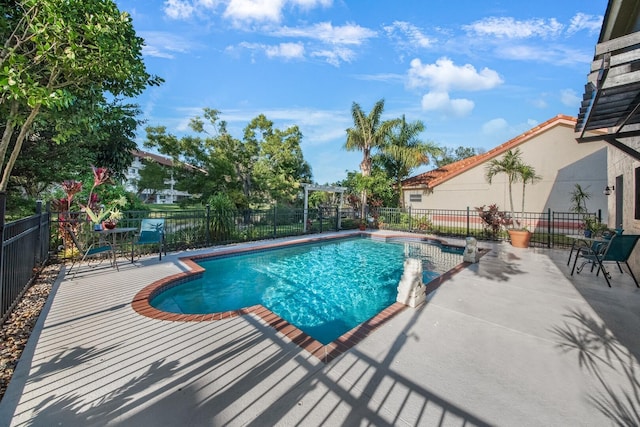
[{"x": 96, "y": 211}]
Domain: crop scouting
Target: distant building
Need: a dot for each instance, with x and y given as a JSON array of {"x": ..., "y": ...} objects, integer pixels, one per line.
[
  {"x": 166, "y": 196},
  {"x": 549, "y": 147}
]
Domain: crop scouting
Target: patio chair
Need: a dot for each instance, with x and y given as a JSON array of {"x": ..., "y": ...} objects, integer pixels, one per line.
[
  {"x": 151, "y": 233},
  {"x": 91, "y": 249},
  {"x": 618, "y": 250}
]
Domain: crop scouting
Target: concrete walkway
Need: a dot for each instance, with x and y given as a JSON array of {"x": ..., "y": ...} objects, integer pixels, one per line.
[{"x": 512, "y": 340}]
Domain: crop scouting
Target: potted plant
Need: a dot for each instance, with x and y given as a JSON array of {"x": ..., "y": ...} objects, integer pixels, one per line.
[
  {"x": 515, "y": 169},
  {"x": 579, "y": 197}
]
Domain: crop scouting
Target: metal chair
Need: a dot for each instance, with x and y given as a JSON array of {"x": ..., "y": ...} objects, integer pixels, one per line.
[
  {"x": 151, "y": 233},
  {"x": 96, "y": 247},
  {"x": 618, "y": 250}
]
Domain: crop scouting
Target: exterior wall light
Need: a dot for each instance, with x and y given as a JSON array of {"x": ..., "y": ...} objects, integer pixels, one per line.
[{"x": 607, "y": 191}]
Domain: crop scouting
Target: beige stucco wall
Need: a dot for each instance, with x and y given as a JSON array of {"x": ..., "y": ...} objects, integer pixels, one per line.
[
  {"x": 555, "y": 155},
  {"x": 624, "y": 166}
]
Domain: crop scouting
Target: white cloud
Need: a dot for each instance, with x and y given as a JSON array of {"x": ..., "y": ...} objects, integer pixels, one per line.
[
  {"x": 178, "y": 9},
  {"x": 310, "y": 4},
  {"x": 495, "y": 126},
  {"x": 582, "y": 21},
  {"x": 335, "y": 56},
  {"x": 286, "y": 50},
  {"x": 239, "y": 11},
  {"x": 570, "y": 98},
  {"x": 440, "y": 101},
  {"x": 349, "y": 34},
  {"x": 414, "y": 36},
  {"x": 444, "y": 75},
  {"x": 282, "y": 50},
  {"x": 551, "y": 54},
  {"x": 164, "y": 45},
  {"x": 511, "y": 28},
  {"x": 254, "y": 10}
]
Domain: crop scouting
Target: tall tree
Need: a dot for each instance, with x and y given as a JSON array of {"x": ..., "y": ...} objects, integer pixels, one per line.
[
  {"x": 265, "y": 166},
  {"x": 55, "y": 52},
  {"x": 527, "y": 175},
  {"x": 403, "y": 151},
  {"x": 510, "y": 165},
  {"x": 152, "y": 177},
  {"x": 367, "y": 134}
]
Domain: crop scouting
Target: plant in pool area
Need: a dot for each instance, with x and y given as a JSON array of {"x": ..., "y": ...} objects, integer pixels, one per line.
[
  {"x": 222, "y": 210},
  {"x": 493, "y": 219}
]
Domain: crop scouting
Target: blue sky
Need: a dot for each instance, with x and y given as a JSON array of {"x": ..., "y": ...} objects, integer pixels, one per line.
[{"x": 476, "y": 72}]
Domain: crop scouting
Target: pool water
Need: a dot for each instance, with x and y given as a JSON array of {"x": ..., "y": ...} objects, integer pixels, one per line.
[{"x": 324, "y": 289}]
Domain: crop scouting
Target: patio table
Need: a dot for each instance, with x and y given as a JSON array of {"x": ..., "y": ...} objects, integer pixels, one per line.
[{"x": 112, "y": 237}]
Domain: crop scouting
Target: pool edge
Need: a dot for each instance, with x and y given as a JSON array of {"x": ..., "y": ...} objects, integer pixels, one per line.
[{"x": 324, "y": 352}]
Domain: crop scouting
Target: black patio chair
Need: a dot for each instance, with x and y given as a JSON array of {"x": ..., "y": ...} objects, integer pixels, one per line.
[{"x": 618, "y": 250}]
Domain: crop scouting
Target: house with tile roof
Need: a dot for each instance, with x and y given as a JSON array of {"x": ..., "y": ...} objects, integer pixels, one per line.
[
  {"x": 168, "y": 195},
  {"x": 550, "y": 148}
]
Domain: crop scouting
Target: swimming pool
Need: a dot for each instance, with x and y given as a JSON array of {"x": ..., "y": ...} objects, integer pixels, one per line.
[{"x": 325, "y": 289}]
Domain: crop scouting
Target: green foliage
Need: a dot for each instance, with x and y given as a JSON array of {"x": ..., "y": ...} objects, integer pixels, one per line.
[
  {"x": 367, "y": 135},
  {"x": 152, "y": 177},
  {"x": 448, "y": 155},
  {"x": 56, "y": 54},
  {"x": 222, "y": 211},
  {"x": 403, "y": 151},
  {"x": 266, "y": 166}
]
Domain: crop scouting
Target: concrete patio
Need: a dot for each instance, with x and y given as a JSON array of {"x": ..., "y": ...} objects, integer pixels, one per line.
[{"x": 512, "y": 340}]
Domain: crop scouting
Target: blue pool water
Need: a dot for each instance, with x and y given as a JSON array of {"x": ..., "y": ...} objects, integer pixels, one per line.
[{"x": 324, "y": 289}]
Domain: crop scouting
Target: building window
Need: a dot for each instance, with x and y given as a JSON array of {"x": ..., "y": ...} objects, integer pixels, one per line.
[
  {"x": 637, "y": 193},
  {"x": 415, "y": 198}
]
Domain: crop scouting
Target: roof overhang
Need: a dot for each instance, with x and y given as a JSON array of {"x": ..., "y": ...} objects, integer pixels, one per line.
[{"x": 612, "y": 94}]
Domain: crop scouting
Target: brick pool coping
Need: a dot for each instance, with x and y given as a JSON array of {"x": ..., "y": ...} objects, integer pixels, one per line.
[{"x": 324, "y": 352}]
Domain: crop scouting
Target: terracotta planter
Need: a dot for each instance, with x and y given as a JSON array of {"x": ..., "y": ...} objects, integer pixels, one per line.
[
  {"x": 362, "y": 227},
  {"x": 520, "y": 238}
]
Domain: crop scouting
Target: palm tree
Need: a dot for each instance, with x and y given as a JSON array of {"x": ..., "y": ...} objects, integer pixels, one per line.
[
  {"x": 527, "y": 176},
  {"x": 404, "y": 151},
  {"x": 510, "y": 165},
  {"x": 579, "y": 197},
  {"x": 367, "y": 134}
]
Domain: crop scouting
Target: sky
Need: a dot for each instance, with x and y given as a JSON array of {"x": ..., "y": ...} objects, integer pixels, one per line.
[{"x": 476, "y": 72}]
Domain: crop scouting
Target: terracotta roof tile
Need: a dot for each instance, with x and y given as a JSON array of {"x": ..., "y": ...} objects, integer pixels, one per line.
[{"x": 435, "y": 177}]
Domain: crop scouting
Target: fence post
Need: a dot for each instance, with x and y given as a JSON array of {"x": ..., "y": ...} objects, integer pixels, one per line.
[
  {"x": 337, "y": 218},
  {"x": 320, "y": 218},
  {"x": 409, "y": 219},
  {"x": 599, "y": 215},
  {"x": 3, "y": 205},
  {"x": 468, "y": 221},
  {"x": 38, "y": 253},
  {"x": 275, "y": 226},
  {"x": 207, "y": 230},
  {"x": 549, "y": 228}
]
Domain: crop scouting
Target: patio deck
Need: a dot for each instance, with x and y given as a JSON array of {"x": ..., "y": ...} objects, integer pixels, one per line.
[{"x": 512, "y": 340}]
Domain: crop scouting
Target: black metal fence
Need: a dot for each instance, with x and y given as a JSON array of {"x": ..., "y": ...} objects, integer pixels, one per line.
[
  {"x": 28, "y": 243},
  {"x": 205, "y": 227},
  {"x": 549, "y": 229},
  {"x": 25, "y": 247}
]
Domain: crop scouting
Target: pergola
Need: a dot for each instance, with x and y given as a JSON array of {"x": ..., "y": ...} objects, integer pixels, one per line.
[
  {"x": 611, "y": 100},
  {"x": 325, "y": 188}
]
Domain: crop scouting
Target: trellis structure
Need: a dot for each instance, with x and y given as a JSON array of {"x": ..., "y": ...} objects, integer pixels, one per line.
[{"x": 325, "y": 188}]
